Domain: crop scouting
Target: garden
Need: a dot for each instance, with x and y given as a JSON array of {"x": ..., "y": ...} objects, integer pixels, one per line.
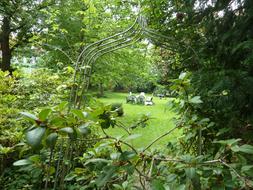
[{"x": 126, "y": 95}]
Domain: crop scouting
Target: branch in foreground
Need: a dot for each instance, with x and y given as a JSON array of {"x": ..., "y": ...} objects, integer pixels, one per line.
[
  {"x": 160, "y": 137},
  {"x": 209, "y": 162}
]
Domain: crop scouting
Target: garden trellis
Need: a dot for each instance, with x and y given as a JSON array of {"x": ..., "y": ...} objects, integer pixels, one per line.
[{"x": 91, "y": 53}]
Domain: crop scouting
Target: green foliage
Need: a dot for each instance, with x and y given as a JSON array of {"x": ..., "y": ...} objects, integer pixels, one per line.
[
  {"x": 22, "y": 91},
  {"x": 117, "y": 107},
  {"x": 112, "y": 162},
  {"x": 212, "y": 41}
]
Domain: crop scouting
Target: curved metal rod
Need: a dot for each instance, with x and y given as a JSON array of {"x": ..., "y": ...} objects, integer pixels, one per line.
[
  {"x": 126, "y": 39},
  {"x": 121, "y": 43},
  {"x": 86, "y": 83},
  {"x": 93, "y": 44},
  {"x": 138, "y": 23},
  {"x": 100, "y": 53},
  {"x": 109, "y": 43},
  {"x": 136, "y": 33},
  {"x": 101, "y": 41},
  {"x": 108, "y": 49},
  {"x": 168, "y": 38}
]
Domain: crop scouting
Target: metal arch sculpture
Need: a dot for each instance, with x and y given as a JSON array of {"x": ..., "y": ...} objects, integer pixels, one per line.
[
  {"x": 89, "y": 55},
  {"x": 92, "y": 52}
]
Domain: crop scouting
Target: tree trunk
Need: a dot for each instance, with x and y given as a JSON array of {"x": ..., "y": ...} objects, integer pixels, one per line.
[
  {"x": 5, "y": 45},
  {"x": 101, "y": 90}
]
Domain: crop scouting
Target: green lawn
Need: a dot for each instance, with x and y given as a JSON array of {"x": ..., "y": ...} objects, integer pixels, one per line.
[{"x": 160, "y": 123}]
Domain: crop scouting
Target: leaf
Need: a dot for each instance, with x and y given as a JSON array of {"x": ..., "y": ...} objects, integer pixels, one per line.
[
  {"x": 235, "y": 148},
  {"x": 34, "y": 136},
  {"x": 22, "y": 162},
  {"x": 67, "y": 130},
  {"x": 133, "y": 136},
  {"x": 51, "y": 170},
  {"x": 243, "y": 46},
  {"x": 44, "y": 114},
  {"x": 157, "y": 185},
  {"x": 29, "y": 116},
  {"x": 246, "y": 148},
  {"x": 84, "y": 129},
  {"x": 94, "y": 160},
  {"x": 247, "y": 168},
  {"x": 182, "y": 75},
  {"x": 35, "y": 158},
  {"x": 81, "y": 115},
  {"x": 190, "y": 172},
  {"x": 170, "y": 178},
  {"x": 106, "y": 175},
  {"x": 51, "y": 139},
  {"x": 222, "y": 131},
  {"x": 229, "y": 142},
  {"x": 196, "y": 100},
  {"x": 125, "y": 184},
  {"x": 58, "y": 121},
  {"x": 127, "y": 155},
  {"x": 117, "y": 187},
  {"x": 114, "y": 155},
  {"x": 61, "y": 106}
]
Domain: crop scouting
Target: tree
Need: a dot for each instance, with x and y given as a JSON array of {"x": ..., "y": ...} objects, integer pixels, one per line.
[
  {"x": 90, "y": 21},
  {"x": 127, "y": 69},
  {"x": 220, "y": 34},
  {"x": 20, "y": 20}
]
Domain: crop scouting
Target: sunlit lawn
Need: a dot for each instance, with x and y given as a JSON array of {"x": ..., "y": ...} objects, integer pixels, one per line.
[{"x": 161, "y": 122}]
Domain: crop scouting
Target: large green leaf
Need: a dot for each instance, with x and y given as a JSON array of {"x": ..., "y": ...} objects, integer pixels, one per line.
[
  {"x": 246, "y": 148},
  {"x": 29, "y": 116},
  {"x": 22, "y": 162},
  {"x": 34, "y": 136},
  {"x": 51, "y": 139},
  {"x": 80, "y": 114},
  {"x": 190, "y": 172},
  {"x": 196, "y": 100},
  {"x": 67, "y": 130},
  {"x": 95, "y": 160},
  {"x": 84, "y": 129},
  {"x": 44, "y": 114},
  {"x": 235, "y": 148},
  {"x": 229, "y": 142}
]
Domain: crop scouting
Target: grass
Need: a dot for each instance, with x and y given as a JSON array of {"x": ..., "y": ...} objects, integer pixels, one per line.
[{"x": 160, "y": 123}]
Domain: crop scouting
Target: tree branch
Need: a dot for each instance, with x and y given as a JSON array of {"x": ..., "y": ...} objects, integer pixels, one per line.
[{"x": 160, "y": 137}]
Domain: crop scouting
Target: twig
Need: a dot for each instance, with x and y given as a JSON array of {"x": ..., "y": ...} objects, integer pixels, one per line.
[
  {"x": 233, "y": 170},
  {"x": 124, "y": 128},
  {"x": 160, "y": 137},
  {"x": 151, "y": 167},
  {"x": 170, "y": 131},
  {"x": 49, "y": 166},
  {"x": 123, "y": 142}
]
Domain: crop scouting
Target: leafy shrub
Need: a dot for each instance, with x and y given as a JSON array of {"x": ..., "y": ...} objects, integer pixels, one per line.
[
  {"x": 114, "y": 163},
  {"x": 23, "y": 91}
]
